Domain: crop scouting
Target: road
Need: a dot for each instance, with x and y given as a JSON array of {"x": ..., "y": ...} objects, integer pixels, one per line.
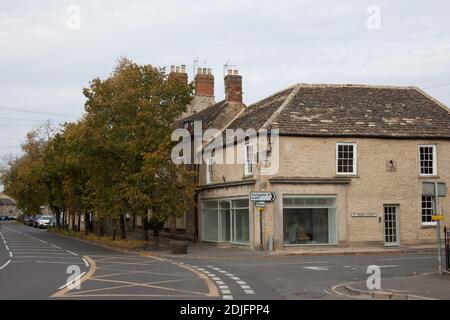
[{"x": 36, "y": 264}]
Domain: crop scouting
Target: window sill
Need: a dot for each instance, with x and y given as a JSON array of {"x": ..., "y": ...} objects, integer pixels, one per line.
[
  {"x": 429, "y": 225},
  {"x": 429, "y": 177},
  {"x": 345, "y": 175}
]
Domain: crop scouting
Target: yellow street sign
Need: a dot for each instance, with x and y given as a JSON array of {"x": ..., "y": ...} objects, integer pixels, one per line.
[{"x": 437, "y": 217}]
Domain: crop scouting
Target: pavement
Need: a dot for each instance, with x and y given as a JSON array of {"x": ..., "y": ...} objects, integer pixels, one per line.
[
  {"x": 204, "y": 250},
  {"x": 36, "y": 264},
  {"x": 419, "y": 287}
]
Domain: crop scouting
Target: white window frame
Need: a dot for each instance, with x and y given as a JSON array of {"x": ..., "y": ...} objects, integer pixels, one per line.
[
  {"x": 248, "y": 163},
  {"x": 355, "y": 158},
  {"x": 209, "y": 170},
  {"x": 434, "y": 160},
  {"x": 433, "y": 204}
]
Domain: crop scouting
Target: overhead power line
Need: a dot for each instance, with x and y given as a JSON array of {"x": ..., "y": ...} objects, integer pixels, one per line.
[
  {"x": 437, "y": 86},
  {"x": 6, "y": 108}
]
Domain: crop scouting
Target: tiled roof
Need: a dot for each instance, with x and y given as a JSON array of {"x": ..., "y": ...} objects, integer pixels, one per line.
[
  {"x": 207, "y": 115},
  {"x": 257, "y": 114},
  {"x": 349, "y": 110}
]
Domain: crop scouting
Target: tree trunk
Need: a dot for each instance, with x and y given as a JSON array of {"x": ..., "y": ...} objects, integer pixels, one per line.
[
  {"x": 123, "y": 234},
  {"x": 58, "y": 216},
  {"x": 79, "y": 223},
  {"x": 144, "y": 229},
  {"x": 64, "y": 217},
  {"x": 86, "y": 223},
  {"x": 74, "y": 227},
  {"x": 100, "y": 228},
  {"x": 134, "y": 222}
]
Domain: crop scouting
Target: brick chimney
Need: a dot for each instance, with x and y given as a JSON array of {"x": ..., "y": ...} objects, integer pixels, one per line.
[
  {"x": 233, "y": 86},
  {"x": 204, "y": 82},
  {"x": 178, "y": 73}
]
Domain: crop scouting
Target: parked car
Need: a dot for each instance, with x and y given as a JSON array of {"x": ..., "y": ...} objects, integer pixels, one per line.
[
  {"x": 35, "y": 220},
  {"x": 44, "y": 222},
  {"x": 30, "y": 220},
  {"x": 52, "y": 222},
  {"x": 26, "y": 219},
  {"x": 12, "y": 218},
  {"x": 3, "y": 218}
]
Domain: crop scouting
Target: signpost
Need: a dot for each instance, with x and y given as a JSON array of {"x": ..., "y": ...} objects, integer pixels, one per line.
[
  {"x": 260, "y": 199},
  {"x": 262, "y": 196},
  {"x": 436, "y": 190}
]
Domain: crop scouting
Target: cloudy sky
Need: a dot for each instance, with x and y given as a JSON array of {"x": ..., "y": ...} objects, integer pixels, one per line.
[{"x": 49, "y": 52}]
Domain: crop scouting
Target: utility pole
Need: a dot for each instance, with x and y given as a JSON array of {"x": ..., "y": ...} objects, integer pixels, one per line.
[
  {"x": 438, "y": 227},
  {"x": 261, "y": 237}
]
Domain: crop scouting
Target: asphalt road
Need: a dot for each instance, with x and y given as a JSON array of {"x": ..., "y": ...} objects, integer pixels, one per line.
[{"x": 36, "y": 264}]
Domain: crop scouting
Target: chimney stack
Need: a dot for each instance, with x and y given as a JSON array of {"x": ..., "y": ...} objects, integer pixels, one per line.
[
  {"x": 204, "y": 82},
  {"x": 233, "y": 86},
  {"x": 178, "y": 73}
]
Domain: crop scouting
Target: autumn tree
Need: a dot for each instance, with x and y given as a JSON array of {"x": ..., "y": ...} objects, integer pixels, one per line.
[{"x": 131, "y": 116}]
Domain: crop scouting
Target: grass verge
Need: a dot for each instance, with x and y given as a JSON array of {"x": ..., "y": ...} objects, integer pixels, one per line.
[{"x": 127, "y": 244}]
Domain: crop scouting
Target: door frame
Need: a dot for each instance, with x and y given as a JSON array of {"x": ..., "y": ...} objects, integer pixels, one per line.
[{"x": 397, "y": 225}]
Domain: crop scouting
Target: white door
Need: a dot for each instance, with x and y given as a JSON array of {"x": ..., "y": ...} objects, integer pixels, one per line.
[{"x": 391, "y": 226}]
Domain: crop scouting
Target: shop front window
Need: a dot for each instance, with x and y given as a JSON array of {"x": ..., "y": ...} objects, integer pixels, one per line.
[
  {"x": 226, "y": 220},
  {"x": 309, "y": 220}
]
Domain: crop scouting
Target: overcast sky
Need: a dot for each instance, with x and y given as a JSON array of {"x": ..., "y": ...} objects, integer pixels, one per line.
[{"x": 46, "y": 60}]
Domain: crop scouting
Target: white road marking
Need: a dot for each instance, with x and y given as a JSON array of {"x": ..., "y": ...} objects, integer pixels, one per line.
[
  {"x": 73, "y": 253},
  {"x": 86, "y": 263},
  {"x": 244, "y": 286},
  {"x": 389, "y": 266},
  {"x": 73, "y": 281},
  {"x": 6, "y": 246},
  {"x": 316, "y": 268},
  {"x": 228, "y": 297},
  {"x": 50, "y": 262},
  {"x": 43, "y": 241},
  {"x": 7, "y": 262},
  {"x": 273, "y": 264},
  {"x": 10, "y": 254}
]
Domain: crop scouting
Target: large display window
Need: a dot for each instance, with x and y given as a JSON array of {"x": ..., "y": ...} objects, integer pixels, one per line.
[
  {"x": 309, "y": 220},
  {"x": 226, "y": 220}
]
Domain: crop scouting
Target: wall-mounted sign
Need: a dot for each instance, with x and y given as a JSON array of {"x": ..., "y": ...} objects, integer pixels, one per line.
[
  {"x": 363, "y": 215},
  {"x": 437, "y": 217},
  {"x": 260, "y": 204},
  {"x": 262, "y": 196}
]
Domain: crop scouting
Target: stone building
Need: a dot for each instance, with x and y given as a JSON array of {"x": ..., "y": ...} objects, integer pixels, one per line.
[
  {"x": 212, "y": 115},
  {"x": 352, "y": 161},
  {"x": 7, "y": 206}
]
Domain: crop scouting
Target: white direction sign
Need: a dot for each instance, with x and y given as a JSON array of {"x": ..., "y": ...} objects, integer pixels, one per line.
[{"x": 262, "y": 196}]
